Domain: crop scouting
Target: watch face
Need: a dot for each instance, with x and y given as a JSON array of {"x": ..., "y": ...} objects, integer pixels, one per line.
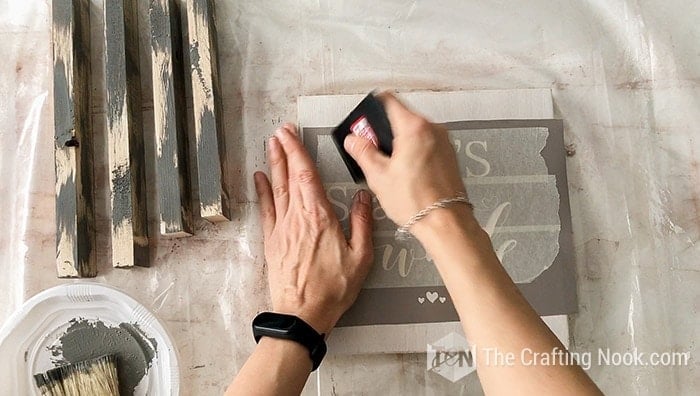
[
  {"x": 282, "y": 321},
  {"x": 272, "y": 323},
  {"x": 289, "y": 327}
]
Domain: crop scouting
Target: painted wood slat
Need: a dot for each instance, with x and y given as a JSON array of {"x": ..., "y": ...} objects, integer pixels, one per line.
[
  {"x": 207, "y": 109},
  {"x": 172, "y": 174},
  {"x": 73, "y": 150},
  {"x": 127, "y": 181}
]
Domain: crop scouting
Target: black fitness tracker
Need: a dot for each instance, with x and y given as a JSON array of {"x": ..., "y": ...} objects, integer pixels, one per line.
[{"x": 290, "y": 327}]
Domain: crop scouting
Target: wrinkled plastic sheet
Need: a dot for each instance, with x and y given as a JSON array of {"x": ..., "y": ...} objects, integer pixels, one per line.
[{"x": 625, "y": 77}]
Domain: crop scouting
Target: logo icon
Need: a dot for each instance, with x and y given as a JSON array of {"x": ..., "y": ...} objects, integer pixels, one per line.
[{"x": 451, "y": 357}]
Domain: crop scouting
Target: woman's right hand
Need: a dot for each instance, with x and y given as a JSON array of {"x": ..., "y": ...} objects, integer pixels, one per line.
[{"x": 421, "y": 170}]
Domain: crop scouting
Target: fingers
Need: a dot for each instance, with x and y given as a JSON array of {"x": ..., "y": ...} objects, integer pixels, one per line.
[
  {"x": 267, "y": 203},
  {"x": 365, "y": 153},
  {"x": 361, "y": 225},
  {"x": 303, "y": 176},
  {"x": 396, "y": 111},
  {"x": 278, "y": 172}
]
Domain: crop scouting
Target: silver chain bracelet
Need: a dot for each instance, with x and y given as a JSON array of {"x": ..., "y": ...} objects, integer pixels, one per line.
[{"x": 403, "y": 232}]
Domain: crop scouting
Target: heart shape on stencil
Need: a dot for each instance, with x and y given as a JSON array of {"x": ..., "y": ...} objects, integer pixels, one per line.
[
  {"x": 442, "y": 300},
  {"x": 421, "y": 300},
  {"x": 431, "y": 296}
]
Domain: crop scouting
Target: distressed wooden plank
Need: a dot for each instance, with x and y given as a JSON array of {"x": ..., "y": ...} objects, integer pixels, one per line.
[
  {"x": 207, "y": 109},
  {"x": 127, "y": 181},
  {"x": 73, "y": 151},
  {"x": 169, "y": 109}
]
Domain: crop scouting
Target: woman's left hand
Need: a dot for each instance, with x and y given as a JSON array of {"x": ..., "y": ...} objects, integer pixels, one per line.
[{"x": 313, "y": 271}]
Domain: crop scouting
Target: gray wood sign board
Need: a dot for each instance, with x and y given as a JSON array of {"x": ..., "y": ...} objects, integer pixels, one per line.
[
  {"x": 172, "y": 173},
  {"x": 73, "y": 146},
  {"x": 518, "y": 104},
  {"x": 206, "y": 105},
  {"x": 531, "y": 228},
  {"x": 127, "y": 179}
]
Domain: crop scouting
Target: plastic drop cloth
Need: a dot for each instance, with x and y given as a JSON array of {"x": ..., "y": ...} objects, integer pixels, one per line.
[{"x": 625, "y": 77}]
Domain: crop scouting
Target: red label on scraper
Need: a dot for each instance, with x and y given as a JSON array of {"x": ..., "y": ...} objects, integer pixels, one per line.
[{"x": 362, "y": 128}]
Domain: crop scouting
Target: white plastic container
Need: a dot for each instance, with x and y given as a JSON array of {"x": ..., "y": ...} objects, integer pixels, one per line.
[{"x": 27, "y": 335}]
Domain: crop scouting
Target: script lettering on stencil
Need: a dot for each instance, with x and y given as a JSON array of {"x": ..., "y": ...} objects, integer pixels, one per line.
[
  {"x": 337, "y": 204},
  {"x": 490, "y": 228},
  {"x": 403, "y": 259},
  {"x": 504, "y": 171},
  {"x": 340, "y": 197}
]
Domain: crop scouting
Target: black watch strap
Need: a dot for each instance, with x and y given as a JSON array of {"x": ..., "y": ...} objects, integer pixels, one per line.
[{"x": 290, "y": 327}]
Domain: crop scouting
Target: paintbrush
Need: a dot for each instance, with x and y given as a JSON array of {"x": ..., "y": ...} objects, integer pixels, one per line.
[{"x": 95, "y": 377}]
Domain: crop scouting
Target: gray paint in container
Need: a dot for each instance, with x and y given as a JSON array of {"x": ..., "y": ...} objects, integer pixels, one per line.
[{"x": 87, "y": 339}]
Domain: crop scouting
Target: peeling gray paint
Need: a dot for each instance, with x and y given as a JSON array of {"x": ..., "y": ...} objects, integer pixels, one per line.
[
  {"x": 210, "y": 149},
  {"x": 208, "y": 160},
  {"x": 196, "y": 67},
  {"x": 172, "y": 172},
  {"x": 65, "y": 212},
  {"x": 125, "y": 134},
  {"x": 121, "y": 196},
  {"x": 115, "y": 60},
  {"x": 63, "y": 105},
  {"x": 73, "y": 150}
]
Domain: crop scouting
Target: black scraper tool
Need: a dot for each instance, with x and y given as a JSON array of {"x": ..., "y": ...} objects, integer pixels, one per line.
[{"x": 367, "y": 120}]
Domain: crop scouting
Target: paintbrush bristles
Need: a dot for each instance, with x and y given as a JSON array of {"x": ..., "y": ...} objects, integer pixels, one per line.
[{"x": 96, "y": 377}]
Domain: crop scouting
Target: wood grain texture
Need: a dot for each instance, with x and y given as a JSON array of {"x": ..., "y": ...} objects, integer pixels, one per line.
[
  {"x": 206, "y": 98},
  {"x": 73, "y": 149},
  {"x": 172, "y": 173},
  {"x": 127, "y": 181}
]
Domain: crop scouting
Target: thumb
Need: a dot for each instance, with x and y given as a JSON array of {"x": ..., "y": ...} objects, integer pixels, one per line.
[{"x": 365, "y": 153}]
